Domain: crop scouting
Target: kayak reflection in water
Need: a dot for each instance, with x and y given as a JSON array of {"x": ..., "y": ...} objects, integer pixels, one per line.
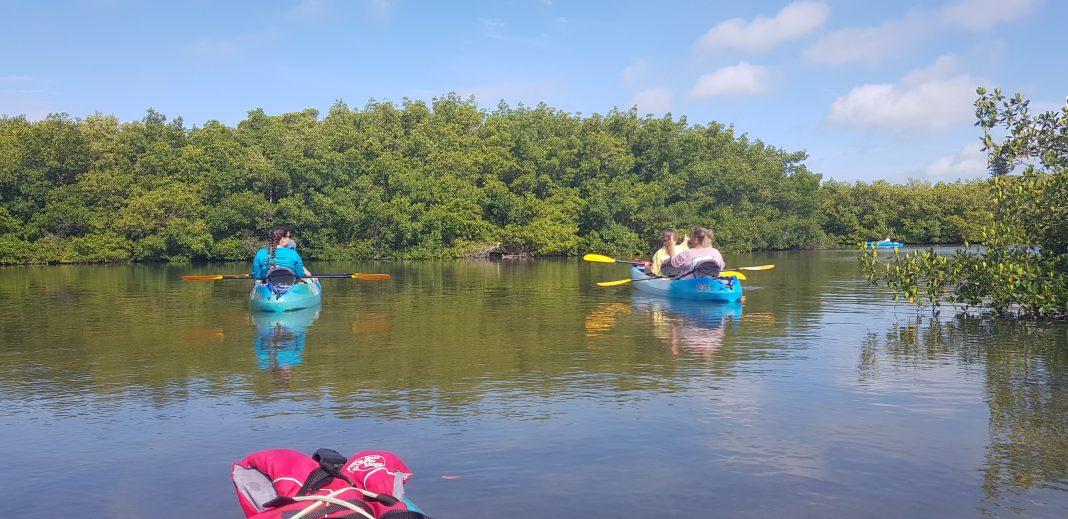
[
  {"x": 280, "y": 340},
  {"x": 688, "y": 326}
]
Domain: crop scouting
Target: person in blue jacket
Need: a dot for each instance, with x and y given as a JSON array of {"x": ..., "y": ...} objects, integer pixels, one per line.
[{"x": 276, "y": 254}]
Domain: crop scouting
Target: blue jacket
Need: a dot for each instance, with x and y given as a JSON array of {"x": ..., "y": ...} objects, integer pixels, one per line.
[{"x": 283, "y": 257}]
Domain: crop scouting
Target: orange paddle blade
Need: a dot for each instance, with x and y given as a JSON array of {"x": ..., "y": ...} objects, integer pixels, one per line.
[{"x": 370, "y": 277}]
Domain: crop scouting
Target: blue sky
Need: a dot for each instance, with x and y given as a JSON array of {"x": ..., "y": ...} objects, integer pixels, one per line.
[{"x": 869, "y": 91}]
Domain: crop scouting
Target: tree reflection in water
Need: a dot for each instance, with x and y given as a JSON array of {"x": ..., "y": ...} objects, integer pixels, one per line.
[{"x": 1026, "y": 389}]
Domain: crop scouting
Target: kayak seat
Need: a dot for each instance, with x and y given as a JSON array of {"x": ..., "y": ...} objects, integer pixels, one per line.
[
  {"x": 701, "y": 269},
  {"x": 706, "y": 269},
  {"x": 280, "y": 280}
]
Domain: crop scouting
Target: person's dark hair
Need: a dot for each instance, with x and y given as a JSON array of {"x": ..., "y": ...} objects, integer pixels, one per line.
[
  {"x": 273, "y": 240},
  {"x": 702, "y": 236}
]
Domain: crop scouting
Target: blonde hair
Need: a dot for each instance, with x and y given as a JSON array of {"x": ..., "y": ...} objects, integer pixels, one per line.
[{"x": 702, "y": 237}]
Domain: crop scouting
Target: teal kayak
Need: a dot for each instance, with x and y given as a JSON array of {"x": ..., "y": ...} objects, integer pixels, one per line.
[
  {"x": 886, "y": 244},
  {"x": 305, "y": 294},
  {"x": 698, "y": 289}
]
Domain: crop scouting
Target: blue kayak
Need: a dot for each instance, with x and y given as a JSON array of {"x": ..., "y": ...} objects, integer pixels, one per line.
[
  {"x": 698, "y": 289},
  {"x": 305, "y": 294},
  {"x": 886, "y": 244}
]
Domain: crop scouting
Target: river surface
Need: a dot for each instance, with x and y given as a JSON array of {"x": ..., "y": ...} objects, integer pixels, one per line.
[{"x": 520, "y": 389}]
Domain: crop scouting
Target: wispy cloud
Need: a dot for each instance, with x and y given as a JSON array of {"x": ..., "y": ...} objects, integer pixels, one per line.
[
  {"x": 983, "y": 14},
  {"x": 492, "y": 23},
  {"x": 654, "y": 100},
  {"x": 870, "y": 45},
  {"x": 890, "y": 38},
  {"x": 635, "y": 72},
  {"x": 762, "y": 34},
  {"x": 209, "y": 48},
  {"x": 743, "y": 78},
  {"x": 929, "y": 99},
  {"x": 969, "y": 162},
  {"x": 213, "y": 48},
  {"x": 19, "y": 79},
  {"x": 309, "y": 10}
]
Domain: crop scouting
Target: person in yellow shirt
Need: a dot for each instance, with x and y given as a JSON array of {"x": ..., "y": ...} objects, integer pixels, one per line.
[{"x": 661, "y": 257}]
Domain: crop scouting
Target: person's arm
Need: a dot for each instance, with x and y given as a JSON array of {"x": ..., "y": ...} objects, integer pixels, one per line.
[
  {"x": 298, "y": 267},
  {"x": 718, "y": 258},
  {"x": 679, "y": 259}
]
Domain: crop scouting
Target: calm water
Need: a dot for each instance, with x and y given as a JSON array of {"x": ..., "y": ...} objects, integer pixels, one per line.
[{"x": 127, "y": 392}]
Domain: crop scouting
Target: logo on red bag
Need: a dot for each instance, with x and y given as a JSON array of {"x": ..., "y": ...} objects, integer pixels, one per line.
[{"x": 366, "y": 463}]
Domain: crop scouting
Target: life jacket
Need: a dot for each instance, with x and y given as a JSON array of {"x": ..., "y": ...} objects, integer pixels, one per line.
[{"x": 281, "y": 483}]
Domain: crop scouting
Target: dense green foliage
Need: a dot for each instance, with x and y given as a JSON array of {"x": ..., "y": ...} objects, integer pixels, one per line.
[
  {"x": 419, "y": 181},
  {"x": 1023, "y": 268}
]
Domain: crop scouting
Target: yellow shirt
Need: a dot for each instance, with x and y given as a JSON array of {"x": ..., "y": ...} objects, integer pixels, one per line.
[{"x": 662, "y": 257}]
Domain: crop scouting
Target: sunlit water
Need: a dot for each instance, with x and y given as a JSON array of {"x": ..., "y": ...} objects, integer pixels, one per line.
[{"x": 125, "y": 392}]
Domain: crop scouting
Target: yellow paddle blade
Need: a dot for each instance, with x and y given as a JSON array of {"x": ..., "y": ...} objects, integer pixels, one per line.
[
  {"x": 758, "y": 267},
  {"x": 370, "y": 276},
  {"x": 202, "y": 277},
  {"x": 613, "y": 283},
  {"x": 597, "y": 258},
  {"x": 732, "y": 274}
]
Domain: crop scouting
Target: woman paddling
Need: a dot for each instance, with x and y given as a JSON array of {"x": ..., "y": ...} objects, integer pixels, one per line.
[
  {"x": 277, "y": 254},
  {"x": 683, "y": 263}
]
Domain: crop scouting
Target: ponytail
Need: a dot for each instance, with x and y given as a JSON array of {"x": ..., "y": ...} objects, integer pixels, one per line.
[{"x": 273, "y": 240}]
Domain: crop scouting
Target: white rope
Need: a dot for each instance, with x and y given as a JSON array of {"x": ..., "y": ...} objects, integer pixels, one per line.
[{"x": 330, "y": 499}]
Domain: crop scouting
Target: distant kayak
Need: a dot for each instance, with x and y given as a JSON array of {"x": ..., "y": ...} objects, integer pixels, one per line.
[
  {"x": 698, "y": 289},
  {"x": 887, "y": 244},
  {"x": 304, "y": 294}
]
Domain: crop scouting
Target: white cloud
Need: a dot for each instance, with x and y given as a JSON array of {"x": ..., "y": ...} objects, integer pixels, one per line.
[
  {"x": 762, "y": 34},
  {"x": 742, "y": 78},
  {"x": 969, "y": 162},
  {"x": 635, "y": 72},
  {"x": 654, "y": 100},
  {"x": 931, "y": 98},
  {"x": 983, "y": 14},
  {"x": 868, "y": 44},
  {"x": 890, "y": 38}
]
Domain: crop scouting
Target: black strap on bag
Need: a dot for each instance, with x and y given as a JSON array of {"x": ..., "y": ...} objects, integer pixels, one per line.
[{"x": 330, "y": 464}]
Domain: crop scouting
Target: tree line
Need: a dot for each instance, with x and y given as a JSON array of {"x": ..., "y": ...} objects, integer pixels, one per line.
[{"x": 433, "y": 180}]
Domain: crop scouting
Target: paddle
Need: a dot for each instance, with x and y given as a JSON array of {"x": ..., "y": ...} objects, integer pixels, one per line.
[
  {"x": 600, "y": 258},
  {"x": 724, "y": 274},
  {"x": 220, "y": 277}
]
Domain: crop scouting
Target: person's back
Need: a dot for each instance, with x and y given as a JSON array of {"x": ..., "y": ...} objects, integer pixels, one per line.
[
  {"x": 701, "y": 249},
  {"x": 277, "y": 254},
  {"x": 283, "y": 257}
]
